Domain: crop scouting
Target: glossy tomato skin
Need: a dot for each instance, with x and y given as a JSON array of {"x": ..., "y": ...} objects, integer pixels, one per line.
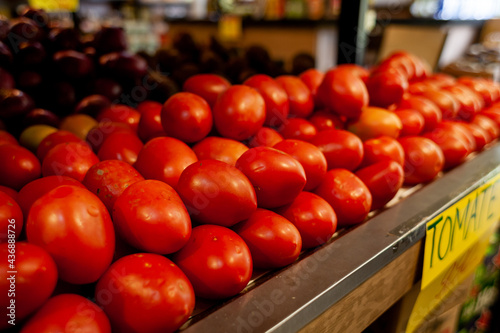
[
  {"x": 298, "y": 128},
  {"x": 312, "y": 79},
  {"x": 275, "y": 97},
  {"x": 447, "y": 103},
  {"x": 383, "y": 179},
  {"x": 481, "y": 136},
  {"x": 35, "y": 189},
  {"x": 123, "y": 146},
  {"x": 83, "y": 244},
  {"x": 126, "y": 290},
  {"x": 265, "y": 137},
  {"x": 6, "y": 137},
  {"x": 35, "y": 281},
  {"x": 428, "y": 109},
  {"x": 347, "y": 194},
  {"x": 411, "y": 120},
  {"x": 208, "y": 86},
  {"x": 19, "y": 166},
  {"x": 9, "y": 191},
  {"x": 310, "y": 157},
  {"x": 150, "y": 126},
  {"x": 342, "y": 149},
  {"x": 52, "y": 140},
  {"x": 221, "y": 149},
  {"x": 99, "y": 133},
  {"x": 151, "y": 216},
  {"x": 423, "y": 159},
  {"x": 72, "y": 159},
  {"x": 121, "y": 113},
  {"x": 488, "y": 124},
  {"x": 382, "y": 148},
  {"x": 299, "y": 96},
  {"x": 216, "y": 260},
  {"x": 454, "y": 147},
  {"x": 272, "y": 239},
  {"x": 314, "y": 218},
  {"x": 168, "y": 165},
  {"x": 187, "y": 117},
  {"x": 386, "y": 86},
  {"x": 68, "y": 311},
  {"x": 239, "y": 112},
  {"x": 276, "y": 176},
  {"x": 374, "y": 122},
  {"x": 11, "y": 219},
  {"x": 343, "y": 92},
  {"x": 108, "y": 179},
  {"x": 216, "y": 193},
  {"x": 326, "y": 120}
]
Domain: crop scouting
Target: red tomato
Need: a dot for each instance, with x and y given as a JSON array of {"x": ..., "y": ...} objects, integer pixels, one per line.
[
  {"x": 470, "y": 102},
  {"x": 108, "y": 179},
  {"x": 313, "y": 217},
  {"x": 208, "y": 86},
  {"x": 239, "y": 112},
  {"x": 343, "y": 92},
  {"x": 19, "y": 166},
  {"x": 150, "y": 216},
  {"x": 299, "y": 96},
  {"x": 71, "y": 159},
  {"x": 383, "y": 179},
  {"x": 266, "y": 137},
  {"x": 275, "y": 97},
  {"x": 221, "y": 149},
  {"x": 423, "y": 159},
  {"x": 99, "y": 133},
  {"x": 9, "y": 191},
  {"x": 38, "y": 187},
  {"x": 83, "y": 243},
  {"x": 272, "y": 239},
  {"x": 461, "y": 130},
  {"x": 381, "y": 149},
  {"x": 375, "y": 122},
  {"x": 447, "y": 103},
  {"x": 481, "y": 136},
  {"x": 386, "y": 86},
  {"x": 298, "y": 128},
  {"x": 310, "y": 157},
  {"x": 145, "y": 292},
  {"x": 342, "y": 149},
  {"x": 120, "y": 113},
  {"x": 150, "y": 126},
  {"x": 481, "y": 87},
  {"x": 486, "y": 123},
  {"x": 401, "y": 61},
  {"x": 453, "y": 145},
  {"x": 122, "y": 146},
  {"x": 215, "y": 192},
  {"x": 68, "y": 312},
  {"x": 413, "y": 122},
  {"x": 11, "y": 219},
  {"x": 312, "y": 79},
  {"x": 168, "y": 165},
  {"x": 347, "y": 194},
  {"x": 6, "y": 137},
  {"x": 216, "y": 260},
  {"x": 355, "y": 70},
  {"x": 52, "y": 140},
  {"x": 276, "y": 176},
  {"x": 187, "y": 117},
  {"x": 430, "y": 111},
  {"x": 34, "y": 281},
  {"x": 493, "y": 114},
  {"x": 325, "y": 120}
]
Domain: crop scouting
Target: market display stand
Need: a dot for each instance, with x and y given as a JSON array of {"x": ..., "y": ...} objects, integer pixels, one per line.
[{"x": 346, "y": 284}]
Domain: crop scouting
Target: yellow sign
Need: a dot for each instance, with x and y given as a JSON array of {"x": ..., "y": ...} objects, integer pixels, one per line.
[
  {"x": 55, "y": 5},
  {"x": 230, "y": 28},
  {"x": 455, "y": 244}
]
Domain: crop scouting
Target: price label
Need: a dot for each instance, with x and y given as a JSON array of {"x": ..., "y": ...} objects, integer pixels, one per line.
[
  {"x": 55, "y": 5},
  {"x": 455, "y": 244}
]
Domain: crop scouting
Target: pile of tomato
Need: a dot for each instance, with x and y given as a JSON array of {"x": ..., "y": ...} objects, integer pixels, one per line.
[{"x": 120, "y": 219}]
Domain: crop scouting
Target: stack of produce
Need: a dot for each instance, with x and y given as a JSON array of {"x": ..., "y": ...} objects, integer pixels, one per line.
[{"x": 119, "y": 212}]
